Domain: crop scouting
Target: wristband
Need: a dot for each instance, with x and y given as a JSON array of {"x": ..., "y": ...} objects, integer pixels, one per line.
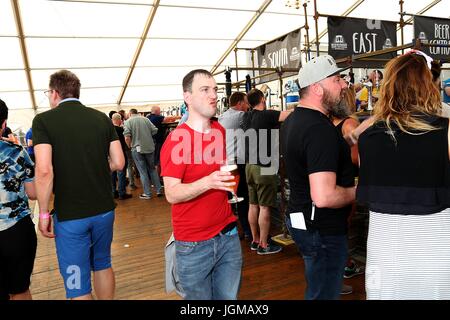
[{"x": 44, "y": 215}]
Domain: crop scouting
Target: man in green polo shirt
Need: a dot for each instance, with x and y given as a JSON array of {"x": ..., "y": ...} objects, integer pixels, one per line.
[{"x": 76, "y": 148}]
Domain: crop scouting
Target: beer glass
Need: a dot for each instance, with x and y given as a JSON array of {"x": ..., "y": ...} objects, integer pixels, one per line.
[{"x": 233, "y": 169}]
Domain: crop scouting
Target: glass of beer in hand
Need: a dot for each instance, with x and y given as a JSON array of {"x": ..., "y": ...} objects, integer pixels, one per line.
[{"x": 233, "y": 169}]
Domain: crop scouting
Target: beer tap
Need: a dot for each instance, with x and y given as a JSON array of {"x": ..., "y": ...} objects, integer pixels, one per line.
[{"x": 377, "y": 80}]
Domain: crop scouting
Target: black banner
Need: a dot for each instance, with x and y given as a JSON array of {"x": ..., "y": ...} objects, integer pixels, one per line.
[
  {"x": 352, "y": 36},
  {"x": 433, "y": 31},
  {"x": 283, "y": 52}
]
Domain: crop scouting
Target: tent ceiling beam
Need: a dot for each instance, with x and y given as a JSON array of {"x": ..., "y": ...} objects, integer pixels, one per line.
[
  {"x": 105, "y": 2},
  {"x": 147, "y": 26},
  {"x": 425, "y": 9},
  {"x": 108, "y": 87},
  {"x": 23, "y": 49},
  {"x": 242, "y": 34},
  {"x": 106, "y": 67},
  {"x": 127, "y": 38},
  {"x": 223, "y": 9},
  {"x": 174, "y": 6}
]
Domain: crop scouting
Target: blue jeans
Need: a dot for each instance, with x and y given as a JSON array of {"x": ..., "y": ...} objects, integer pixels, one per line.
[
  {"x": 121, "y": 176},
  {"x": 210, "y": 269},
  {"x": 146, "y": 167},
  {"x": 129, "y": 166},
  {"x": 325, "y": 258},
  {"x": 157, "y": 153}
]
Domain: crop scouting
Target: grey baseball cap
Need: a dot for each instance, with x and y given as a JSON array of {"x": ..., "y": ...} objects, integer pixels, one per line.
[{"x": 317, "y": 69}]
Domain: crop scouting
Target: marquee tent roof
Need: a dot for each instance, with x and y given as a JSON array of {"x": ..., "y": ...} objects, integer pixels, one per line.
[{"x": 134, "y": 52}]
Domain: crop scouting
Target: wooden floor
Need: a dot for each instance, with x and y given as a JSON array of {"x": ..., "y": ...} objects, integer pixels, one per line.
[{"x": 142, "y": 228}]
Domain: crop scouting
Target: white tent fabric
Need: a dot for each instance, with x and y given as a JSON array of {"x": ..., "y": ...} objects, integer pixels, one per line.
[{"x": 98, "y": 40}]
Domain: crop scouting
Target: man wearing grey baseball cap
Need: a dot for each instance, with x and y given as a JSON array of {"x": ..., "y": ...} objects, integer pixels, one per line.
[{"x": 319, "y": 169}]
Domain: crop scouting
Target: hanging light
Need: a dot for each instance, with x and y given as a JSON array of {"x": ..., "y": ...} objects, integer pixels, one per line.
[{"x": 295, "y": 3}]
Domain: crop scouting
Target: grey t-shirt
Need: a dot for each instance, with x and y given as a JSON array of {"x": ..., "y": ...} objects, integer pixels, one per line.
[
  {"x": 231, "y": 120},
  {"x": 141, "y": 131}
]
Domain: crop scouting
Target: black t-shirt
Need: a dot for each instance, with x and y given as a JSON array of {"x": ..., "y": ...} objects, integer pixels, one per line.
[
  {"x": 123, "y": 144},
  {"x": 310, "y": 144},
  {"x": 407, "y": 175},
  {"x": 80, "y": 138},
  {"x": 157, "y": 121},
  {"x": 263, "y": 122}
]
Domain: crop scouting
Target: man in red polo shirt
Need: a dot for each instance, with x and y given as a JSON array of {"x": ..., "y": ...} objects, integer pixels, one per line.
[{"x": 208, "y": 251}]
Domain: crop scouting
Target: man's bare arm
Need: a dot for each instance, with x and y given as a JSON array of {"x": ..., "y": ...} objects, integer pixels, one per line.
[{"x": 326, "y": 194}]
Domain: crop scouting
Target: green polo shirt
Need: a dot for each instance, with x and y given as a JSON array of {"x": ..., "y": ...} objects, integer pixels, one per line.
[{"x": 80, "y": 138}]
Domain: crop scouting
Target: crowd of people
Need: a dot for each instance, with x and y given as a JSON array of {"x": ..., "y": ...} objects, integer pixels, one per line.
[{"x": 396, "y": 162}]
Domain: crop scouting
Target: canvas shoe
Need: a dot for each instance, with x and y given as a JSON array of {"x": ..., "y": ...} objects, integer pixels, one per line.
[
  {"x": 270, "y": 249},
  {"x": 346, "y": 289},
  {"x": 353, "y": 270},
  {"x": 125, "y": 196}
]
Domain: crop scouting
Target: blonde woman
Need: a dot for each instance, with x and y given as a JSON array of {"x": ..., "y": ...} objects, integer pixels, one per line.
[{"x": 405, "y": 180}]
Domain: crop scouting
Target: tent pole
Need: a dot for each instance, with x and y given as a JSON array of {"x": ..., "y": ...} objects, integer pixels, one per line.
[
  {"x": 236, "y": 60},
  {"x": 308, "y": 47},
  {"x": 345, "y": 14},
  {"x": 425, "y": 9},
  {"x": 23, "y": 49},
  {"x": 138, "y": 49},
  {"x": 280, "y": 77},
  {"x": 252, "y": 21},
  {"x": 316, "y": 18},
  {"x": 253, "y": 66},
  {"x": 402, "y": 24}
]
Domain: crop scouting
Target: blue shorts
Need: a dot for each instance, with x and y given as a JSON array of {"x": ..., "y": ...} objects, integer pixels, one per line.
[{"x": 82, "y": 246}]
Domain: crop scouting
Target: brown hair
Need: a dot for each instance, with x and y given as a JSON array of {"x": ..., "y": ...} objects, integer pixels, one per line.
[
  {"x": 407, "y": 92},
  {"x": 436, "y": 70},
  {"x": 254, "y": 97},
  {"x": 350, "y": 98},
  {"x": 236, "y": 97},
  {"x": 189, "y": 78},
  {"x": 66, "y": 84}
]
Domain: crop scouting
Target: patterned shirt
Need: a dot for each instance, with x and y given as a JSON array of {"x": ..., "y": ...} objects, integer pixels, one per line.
[
  {"x": 446, "y": 84},
  {"x": 16, "y": 168}
]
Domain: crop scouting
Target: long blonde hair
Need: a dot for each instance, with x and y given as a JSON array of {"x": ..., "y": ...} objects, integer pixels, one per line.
[{"x": 407, "y": 92}]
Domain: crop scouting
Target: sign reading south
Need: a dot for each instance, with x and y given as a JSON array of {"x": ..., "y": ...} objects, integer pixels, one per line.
[
  {"x": 283, "y": 52},
  {"x": 352, "y": 36}
]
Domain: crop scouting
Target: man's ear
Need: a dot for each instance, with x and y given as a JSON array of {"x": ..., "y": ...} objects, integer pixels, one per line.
[
  {"x": 187, "y": 97},
  {"x": 317, "y": 89}
]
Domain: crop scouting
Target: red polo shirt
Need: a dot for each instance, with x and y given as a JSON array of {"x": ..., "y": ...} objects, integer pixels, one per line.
[{"x": 190, "y": 155}]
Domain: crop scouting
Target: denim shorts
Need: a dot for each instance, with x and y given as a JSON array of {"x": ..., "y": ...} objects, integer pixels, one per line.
[{"x": 82, "y": 246}]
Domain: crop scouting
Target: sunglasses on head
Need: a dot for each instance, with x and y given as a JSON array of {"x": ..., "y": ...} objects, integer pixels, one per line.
[{"x": 428, "y": 59}]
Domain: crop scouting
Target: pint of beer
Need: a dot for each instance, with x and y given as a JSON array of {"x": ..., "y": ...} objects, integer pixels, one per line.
[{"x": 233, "y": 169}]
